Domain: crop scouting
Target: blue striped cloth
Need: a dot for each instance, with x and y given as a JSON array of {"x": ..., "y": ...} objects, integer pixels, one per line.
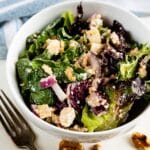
[{"x": 13, "y": 13}]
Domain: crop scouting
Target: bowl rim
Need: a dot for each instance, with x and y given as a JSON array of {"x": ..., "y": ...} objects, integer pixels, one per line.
[{"x": 19, "y": 100}]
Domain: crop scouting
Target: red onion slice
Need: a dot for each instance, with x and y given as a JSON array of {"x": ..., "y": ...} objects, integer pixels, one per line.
[
  {"x": 48, "y": 82},
  {"x": 59, "y": 92},
  {"x": 51, "y": 81}
]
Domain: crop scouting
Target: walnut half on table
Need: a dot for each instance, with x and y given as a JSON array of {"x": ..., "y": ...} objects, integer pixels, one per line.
[
  {"x": 70, "y": 145},
  {"x": 96, "y": 147},
  {"x": 141, "y": 141}
]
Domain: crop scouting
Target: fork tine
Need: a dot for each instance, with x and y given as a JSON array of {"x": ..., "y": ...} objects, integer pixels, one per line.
[
  {"x": 9, "y": 123},
  {"x": 10, "y": 112},
  {"x": 5, "y": 124},
  {"x": 15, "y": 110}
]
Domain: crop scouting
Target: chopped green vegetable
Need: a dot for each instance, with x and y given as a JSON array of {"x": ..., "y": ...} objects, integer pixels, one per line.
[
  {"x": 43, "y": 97},
  {"x": 24, "y": 68},
  {"x": 62, "y": 34},
  {"x": 127, "y": 68},
  {"x": 69, "y": 19},
  {"x": 112, "y": 118}
]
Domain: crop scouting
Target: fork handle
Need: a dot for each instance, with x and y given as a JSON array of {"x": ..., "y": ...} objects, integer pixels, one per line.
[{"x": 32, "y": 147}]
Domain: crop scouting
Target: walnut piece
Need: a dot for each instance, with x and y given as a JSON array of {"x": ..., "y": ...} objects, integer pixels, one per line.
[
  {"x": 140, "y": 141},
  {"x": 96, "y": 147},
  {"x": 76, "y": 127},
  {"x": 70, "y": 145}
]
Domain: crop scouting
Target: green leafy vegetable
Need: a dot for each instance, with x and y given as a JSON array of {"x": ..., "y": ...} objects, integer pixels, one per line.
[
  {"x": 69, "y": 19},
  {"x": 127, "y": 68},
  {"x": 71, "y": 54},
  {"x": 24, "y": 68},
  {"x": 62, "y": 34},
  {"x": 43, "y": 97},
  {"x": 111, "y": 118}
]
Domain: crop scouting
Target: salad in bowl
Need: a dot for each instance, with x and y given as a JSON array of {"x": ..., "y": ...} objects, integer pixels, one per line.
[{"x": 84, "y": 74}]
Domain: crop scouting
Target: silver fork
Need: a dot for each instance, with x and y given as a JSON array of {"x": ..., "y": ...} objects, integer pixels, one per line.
[{"x": 15, "y": 125}]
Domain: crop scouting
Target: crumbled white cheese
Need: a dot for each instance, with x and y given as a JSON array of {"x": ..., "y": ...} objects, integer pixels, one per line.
[
  {"x": 114, "y": 38},
  {"x": 96, "y": 21},
  {"x": 47, "y": 69},
  {"x": 93, "y": 100},
  {"x": 90, "y": 71},
  {"x": 67, "y": 116},
  {"x": 53, "y": 46},
  {"x": 95, "y": 48},
  {"x": 93, "y": 35},
  {"x": 43, "y": 111},
  {"x": 83, "y": 76}
]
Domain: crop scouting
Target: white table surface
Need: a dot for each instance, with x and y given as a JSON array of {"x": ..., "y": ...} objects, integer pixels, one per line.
[{"x": 49, "y": 142}]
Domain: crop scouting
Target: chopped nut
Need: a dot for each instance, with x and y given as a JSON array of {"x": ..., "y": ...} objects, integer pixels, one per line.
[
  {"x": 142, "y": 71},
  {"x": 96, "y": 147},
  {"x": 70, "y": 145},
  {"x": 67, "y": 116},
  {"x": 62, "y": 46},
  {"x": 70, "y": 74},
  {"x": 47, "y": 69},
  {"x": 78, "y": 128},
  {"x": 141, "y": 141},
  {"x": 95, "y": 84},
  {"x": 90, "y": 70},
  {"x": 93, "y": 35},
  {"x": 134, "y": 52},
  {"x": 95, "y": 48},
  {"x": 55, "y": 119},
  {"x": 43, "y": 111},
  {"x": 53, "y": 46},
  {"x": 83, "y": 60},
  {"x": 77, "y": 64}
]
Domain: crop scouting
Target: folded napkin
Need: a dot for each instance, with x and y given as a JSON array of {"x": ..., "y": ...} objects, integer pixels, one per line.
[{"x": 13, "y": 13}]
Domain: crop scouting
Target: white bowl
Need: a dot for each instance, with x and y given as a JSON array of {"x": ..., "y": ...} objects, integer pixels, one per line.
[{"x": 131, "y": 23}]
